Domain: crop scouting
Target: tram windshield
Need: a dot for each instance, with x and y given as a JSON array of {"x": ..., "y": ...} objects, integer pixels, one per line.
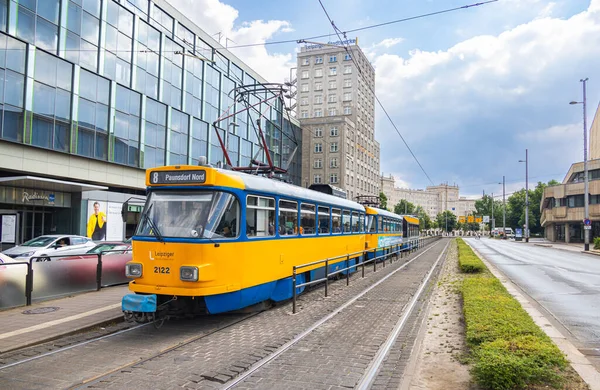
[{"x": 190, "y": 214}]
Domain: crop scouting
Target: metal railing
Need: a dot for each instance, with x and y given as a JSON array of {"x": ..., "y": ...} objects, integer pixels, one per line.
[
  {"x": 388, "y": 251},
  {"x": 73, "y": 263}
]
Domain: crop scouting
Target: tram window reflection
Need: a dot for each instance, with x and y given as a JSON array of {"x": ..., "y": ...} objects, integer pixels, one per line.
[
  {"x": 307, "y": 218},
  {"x": 323, "y": 220},
  {"x": 288, "y": 215},
  {"x": 260, "y": 216},
  {"x": 336, "y": 224}
]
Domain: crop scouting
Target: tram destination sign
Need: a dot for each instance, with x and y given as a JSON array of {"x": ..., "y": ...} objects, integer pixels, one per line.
[{"x": 177, "y": 177}]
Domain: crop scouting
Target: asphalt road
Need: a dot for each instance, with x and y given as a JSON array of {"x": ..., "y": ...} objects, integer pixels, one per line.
[{"x": 565, "y": 283}]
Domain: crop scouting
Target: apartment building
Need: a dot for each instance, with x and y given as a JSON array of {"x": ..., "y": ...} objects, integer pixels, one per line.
[{"x": 336, "y": 109}]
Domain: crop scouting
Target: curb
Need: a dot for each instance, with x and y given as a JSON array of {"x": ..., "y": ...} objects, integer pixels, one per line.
[{"x": 68, "y": 332}]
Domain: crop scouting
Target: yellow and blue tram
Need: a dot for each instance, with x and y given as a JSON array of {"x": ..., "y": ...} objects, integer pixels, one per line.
[
  {"x": 214, "y": 240},
  {"x": 386, "y": 230}
]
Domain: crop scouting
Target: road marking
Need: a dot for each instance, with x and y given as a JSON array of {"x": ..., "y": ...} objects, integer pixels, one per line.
[{"x": 58, "y": 322}]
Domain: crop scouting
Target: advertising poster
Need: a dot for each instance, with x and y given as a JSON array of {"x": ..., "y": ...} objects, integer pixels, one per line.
[
  {"x": 104, "y": 222},
  {"x": 9, "y": 229}
]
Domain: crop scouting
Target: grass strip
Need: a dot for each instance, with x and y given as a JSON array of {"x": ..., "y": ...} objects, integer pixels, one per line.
[{"x": 509, "y": 350}]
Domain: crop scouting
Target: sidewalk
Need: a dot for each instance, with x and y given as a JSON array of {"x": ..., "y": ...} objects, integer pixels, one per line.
[
  {"x": 43, "y": 321},
  {"x": 576, "y": 247}
]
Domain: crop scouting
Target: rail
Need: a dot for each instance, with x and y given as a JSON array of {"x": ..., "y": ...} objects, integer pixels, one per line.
[
  {"x": 85, "y": 266},
  {"x": 388, "y": 251}
]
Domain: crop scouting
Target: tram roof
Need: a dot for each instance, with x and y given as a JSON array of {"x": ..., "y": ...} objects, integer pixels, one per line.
[{"x": 275, "y": 187}]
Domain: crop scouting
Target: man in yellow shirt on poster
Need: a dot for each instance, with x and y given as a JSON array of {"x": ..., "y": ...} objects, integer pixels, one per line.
[{"x": 96, "y": 227}]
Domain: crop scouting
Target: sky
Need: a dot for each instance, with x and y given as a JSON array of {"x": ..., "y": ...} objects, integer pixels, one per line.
[{"x": 469, "y": 90}]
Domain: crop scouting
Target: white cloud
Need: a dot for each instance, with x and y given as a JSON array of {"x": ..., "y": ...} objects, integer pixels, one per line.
[
  {"x": 215, "y": 17},
  {"x": 489, "y": 93}
]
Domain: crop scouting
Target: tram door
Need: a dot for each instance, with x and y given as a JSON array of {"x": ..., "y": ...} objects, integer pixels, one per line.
[{"x": 35, "y": 224}]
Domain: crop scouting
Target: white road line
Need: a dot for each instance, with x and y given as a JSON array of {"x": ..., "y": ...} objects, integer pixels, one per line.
[{"x": 58, "y": 322}]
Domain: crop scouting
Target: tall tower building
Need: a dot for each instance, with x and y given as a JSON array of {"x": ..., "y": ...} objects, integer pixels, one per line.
[{"x": 336, "y": 109}]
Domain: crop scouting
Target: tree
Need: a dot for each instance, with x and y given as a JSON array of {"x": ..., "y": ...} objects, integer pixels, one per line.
[
  {"x": 446, "y": 220},
  {"x": 515, "y": 213},
  {"x": 483, "y": 207},
  {"x": 424, "y": 220},
  {"x": 404, "y": 207},
  {"x": 382, "y": 201}
]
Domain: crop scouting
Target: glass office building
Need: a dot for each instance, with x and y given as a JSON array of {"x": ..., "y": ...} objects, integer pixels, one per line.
[{"x": 116, "y": 86}]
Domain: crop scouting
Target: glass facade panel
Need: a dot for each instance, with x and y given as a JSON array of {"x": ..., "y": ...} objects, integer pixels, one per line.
[
  {"x": 84, "y": 33},
  {"x": 156, "y": 134},
  {"x": 3, "y": 14},
  {"x": 92, "y": 137},
  {"x": 127, "y": 128}
]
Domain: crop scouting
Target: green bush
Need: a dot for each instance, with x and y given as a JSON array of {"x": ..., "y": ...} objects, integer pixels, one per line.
[
  {"x": 596, "y": 242},
  {"x": 509, "y": 350},
  {"x": 467, "y": 259}
]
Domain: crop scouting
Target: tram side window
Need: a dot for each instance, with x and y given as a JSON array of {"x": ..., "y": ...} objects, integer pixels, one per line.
[
  {"x": 361, "y": 223},
  {"x": 308, "y": 218},
  {"x": 228, "y": 226},
  {"x": 336, "y": 223},
  {"x": 260, "y": 216},
  {"x": 371, "y": 223},
  {"x": 380, "y": 223},
  {"x": 346, "y": 221},
  {"x": 288, "y": 215},
  {"x": 355, "y": 222},
  {"x": 323, "y": 220}
]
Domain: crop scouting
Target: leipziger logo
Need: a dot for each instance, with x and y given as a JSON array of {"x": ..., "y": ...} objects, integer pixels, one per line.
[{"x": 161, "y": 255}]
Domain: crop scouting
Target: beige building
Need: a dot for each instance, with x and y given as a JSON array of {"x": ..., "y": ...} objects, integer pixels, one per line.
[
  {"x": 433, "y": 199},
  {"x": 562, "y": 207},
  {"x": 336, "y": 109}
]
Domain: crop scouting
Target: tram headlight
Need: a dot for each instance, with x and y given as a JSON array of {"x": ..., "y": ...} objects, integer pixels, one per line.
[
  {"x": 188, "y": 274},
  {"x": 133, "y": 270}
]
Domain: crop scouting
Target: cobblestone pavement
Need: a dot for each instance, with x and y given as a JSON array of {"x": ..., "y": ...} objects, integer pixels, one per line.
[
  {"x": 220, "y": 356},
  {"x": 337, "y": 354}
]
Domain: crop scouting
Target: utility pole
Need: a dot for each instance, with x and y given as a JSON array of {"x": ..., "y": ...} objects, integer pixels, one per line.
[
  {"x": 492, "y": 229},
  {"x": 503, "y": 206},
  {"x": 526, "y": 196}
]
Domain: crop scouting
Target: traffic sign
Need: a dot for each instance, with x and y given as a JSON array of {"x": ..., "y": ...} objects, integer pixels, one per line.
[
  {"x": 587, "y": 222},
  {"x": 587, "y": 227}
]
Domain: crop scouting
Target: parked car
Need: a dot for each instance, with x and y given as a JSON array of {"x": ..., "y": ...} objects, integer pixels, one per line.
[{"x": 49, "y": 246}]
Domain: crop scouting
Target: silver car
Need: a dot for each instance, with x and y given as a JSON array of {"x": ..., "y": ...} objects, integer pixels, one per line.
[{"x": 46, "y": 247}]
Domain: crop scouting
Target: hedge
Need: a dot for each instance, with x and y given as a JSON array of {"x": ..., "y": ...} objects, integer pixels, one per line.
[
  {"x": 509, "y": 350},
  {"x": 467, "y": 259}
]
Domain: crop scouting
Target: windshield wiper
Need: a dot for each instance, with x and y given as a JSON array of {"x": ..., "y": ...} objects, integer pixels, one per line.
[{"x": 152, "y": 225}]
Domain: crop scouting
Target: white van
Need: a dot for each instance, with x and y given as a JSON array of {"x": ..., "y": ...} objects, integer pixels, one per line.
[{"x": 508, "y": 232}]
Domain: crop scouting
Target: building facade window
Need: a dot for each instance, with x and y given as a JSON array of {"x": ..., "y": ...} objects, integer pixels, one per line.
[
  {"x": 318, "y": 163},
  {"x": 347, "y": 110},
  {"x": 162, "y": 20},
  {"x": 304, "y": 88},
  {"x": 318, "y": 60},
  {"x": 333, "y": 163},
  {"x": 318, "y": 99},
  {"x": 148, "y": 60},
  {"x": 332, "y": 58},
  {"x": 193, "y": 86},
  {"x": 155, "y": 137},
  {"x": 317, "y": 179},
  {"x": 333, "y": 178},
  {"x": 119, "y": 44},
  {"x": 347, "y": 69},
  {"x": 318, "y": 113},
  {"x": 332, "y": 111},
  {"x": 83, "y": 33},
  {"x": 347, "y": 83},
  {"x": 304, "y": 114},
  {"x": 305, "y": 74},
  {"x": 347, "y": 57},
  {"x": 51, "y": 127},
  {"x": 318, "y": 132},
  {"x": 172, "y": 74},
  {"x": 127, "y": 127},
  {"x": 93, "y": 116},
  {"x": 318, "y": 148},
  {"x": 12, "y": 88},
  {"x": 333, "y": 147},
  {"x": 178, "y": 142},
  {"x": 304, "y": 102},
  {"x": 333, "y": 71},
  {"x": 305, "y": 61},
  {"x": 347, "y": 96},
  {"x": 332, "y": 85},
  {"x": 333, "y": 131},
  {"x": 332, "y": 98},
  {"x": 37, "y": 23},
  {"x": 318, "y": 86}
]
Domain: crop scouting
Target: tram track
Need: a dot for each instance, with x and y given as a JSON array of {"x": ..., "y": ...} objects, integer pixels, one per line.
[
  {"x": 211, "y": 338},
  {"x": 373, "y": 368}
]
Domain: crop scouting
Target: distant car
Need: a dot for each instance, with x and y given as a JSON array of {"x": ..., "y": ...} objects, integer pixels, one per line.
[{"x": 49, "y": 246}]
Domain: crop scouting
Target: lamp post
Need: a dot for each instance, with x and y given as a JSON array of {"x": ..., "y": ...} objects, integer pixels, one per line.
[
  {"x": 503, "y": 206},
  {"x": 492, "y": 229},
  {"x": 586, "y": 233},
  {"x": 526, "y": 197}
]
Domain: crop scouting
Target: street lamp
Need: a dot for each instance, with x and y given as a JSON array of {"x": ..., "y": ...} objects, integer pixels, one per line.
[
  {"x": 526, "y": 197},
  {"x": 586, "y": 233},
  {"x": 503, "y": 206}
]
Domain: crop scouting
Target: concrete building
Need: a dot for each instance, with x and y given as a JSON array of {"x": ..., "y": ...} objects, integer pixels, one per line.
[
  {"x": 336, "y": 108},
  {"x": 95, "y": 92},
  {"x": 433, "y": 199},
  {"x": 562, "y": 207}
]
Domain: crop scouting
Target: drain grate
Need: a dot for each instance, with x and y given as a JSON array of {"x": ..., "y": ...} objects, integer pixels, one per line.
[{"x": 42, "y": 310}]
